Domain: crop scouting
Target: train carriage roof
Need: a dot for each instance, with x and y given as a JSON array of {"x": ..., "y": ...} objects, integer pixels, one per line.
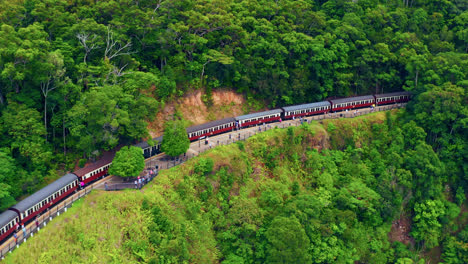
[
  {"x": 392, "y": 94},
  {"x": 254, "y": 115},
  {"x": 106, "y": 159},
  {"x": 45, "y": 192},
  {"x": 352, "y": 99},
  {"x": 145, "y": 145},
  {"x": 6, "y": 217},
  {"x": 305, "y": 106},
  {"x": 210, "y": 124}
]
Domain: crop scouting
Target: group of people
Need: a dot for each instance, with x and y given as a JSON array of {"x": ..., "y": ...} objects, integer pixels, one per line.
[
  {"x": 301, "y": 119},
  {"x": 23, "y": 229},
  {"x": 141, "y": 181}
]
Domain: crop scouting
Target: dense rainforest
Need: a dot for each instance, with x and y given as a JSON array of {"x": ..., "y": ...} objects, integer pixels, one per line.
[
  {"x": 362, "y": 190},
  {"x": 80, "y": 77}
]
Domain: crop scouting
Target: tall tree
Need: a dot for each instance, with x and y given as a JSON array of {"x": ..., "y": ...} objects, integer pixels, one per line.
[
  {"x": 53, "y": 71},
  {"x": 288, "y": 242},
  {"x": 427, "y": 226},
  {"x": 8, "y": 173},
  {"x": 175, "y": 141},
  {"x": 26, "y": 133},
  {"x": 128, "y": 162}
]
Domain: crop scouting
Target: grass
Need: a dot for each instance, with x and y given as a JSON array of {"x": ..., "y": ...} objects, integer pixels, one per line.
[{"x": 92, "y": 231}]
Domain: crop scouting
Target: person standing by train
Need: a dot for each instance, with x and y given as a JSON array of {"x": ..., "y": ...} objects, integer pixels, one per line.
[
  {"x": 24, "y": 232},
  {"x": 16, "y": 237}
]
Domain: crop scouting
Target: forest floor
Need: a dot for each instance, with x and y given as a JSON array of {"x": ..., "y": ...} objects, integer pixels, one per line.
[
  {"x": 226, "y": 103},
  {"x": 400, "y": 230}
]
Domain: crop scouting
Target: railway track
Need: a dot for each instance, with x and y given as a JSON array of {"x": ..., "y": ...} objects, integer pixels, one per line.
[{"x": 163, "y": 162}]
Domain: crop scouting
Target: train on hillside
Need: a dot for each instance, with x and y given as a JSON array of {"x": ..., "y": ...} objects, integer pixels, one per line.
[{"x": 29, "y": 208}]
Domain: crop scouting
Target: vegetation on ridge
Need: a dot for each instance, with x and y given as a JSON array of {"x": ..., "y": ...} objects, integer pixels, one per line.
[{"x": 331, "y": 189}]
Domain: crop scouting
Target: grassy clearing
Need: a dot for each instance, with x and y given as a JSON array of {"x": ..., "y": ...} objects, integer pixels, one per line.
[{"x": 95, "y": 230}]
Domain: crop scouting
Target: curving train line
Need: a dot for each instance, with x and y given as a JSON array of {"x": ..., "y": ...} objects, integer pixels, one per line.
[{"x": 26, "y": 210}]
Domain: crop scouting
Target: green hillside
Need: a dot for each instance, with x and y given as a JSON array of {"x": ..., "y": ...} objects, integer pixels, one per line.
[{"x": 326, "y": 192}]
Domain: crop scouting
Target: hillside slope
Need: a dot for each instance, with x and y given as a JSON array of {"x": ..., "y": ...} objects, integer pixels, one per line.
[{"x": 319, "y": 193}]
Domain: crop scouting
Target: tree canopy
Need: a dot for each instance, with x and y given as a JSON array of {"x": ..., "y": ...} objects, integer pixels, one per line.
[
  {"x": 128, "y": 162},
  {"x": 175, "y": 141}
]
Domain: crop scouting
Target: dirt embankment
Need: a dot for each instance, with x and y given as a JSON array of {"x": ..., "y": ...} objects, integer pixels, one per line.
[
  {"x": 400, "y": 231},
  {"x": 225, "y": 104}
]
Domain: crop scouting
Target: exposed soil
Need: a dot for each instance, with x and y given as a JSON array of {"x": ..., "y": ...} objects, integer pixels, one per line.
[
  {"x": 400, "y": 231},
  {"x": 225, "y": 104}
]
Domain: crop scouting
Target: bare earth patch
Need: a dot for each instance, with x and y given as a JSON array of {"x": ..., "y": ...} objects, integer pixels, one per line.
[
  {"x": 225, "y": 104},
  {"x": 400, "y": 231}
]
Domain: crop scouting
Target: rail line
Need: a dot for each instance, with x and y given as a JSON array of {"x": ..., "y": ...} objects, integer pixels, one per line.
[{"x": 164, "y": 162}]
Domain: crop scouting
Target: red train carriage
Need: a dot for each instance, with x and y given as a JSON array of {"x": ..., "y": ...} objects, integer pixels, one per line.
[
  {"x": 352, "y": 102},
  {"x": 258, "y": 118},
  {"x": 46, "y": 197},
  {"x": 392, "y": 98},
  {"x": 306, "y": 109},
  {"x": 95, "y": 170},
  {"x": 8, "y": 221},
  {"x": 211, "y": 128}
]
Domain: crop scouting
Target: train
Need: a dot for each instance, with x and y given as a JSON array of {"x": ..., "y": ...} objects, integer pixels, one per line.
[
  {"x": 32, "y": 206},
  {"x": 40, "y": 201}
]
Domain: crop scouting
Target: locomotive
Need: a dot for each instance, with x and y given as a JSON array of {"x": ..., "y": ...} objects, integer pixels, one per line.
[{"x": 40, "y": 201}]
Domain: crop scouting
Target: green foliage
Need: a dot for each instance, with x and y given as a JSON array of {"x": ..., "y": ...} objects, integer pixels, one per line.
[
  {"x": 204, "y": 166},
  {"x": 175, "y": 141},
  {"x": 109, "y": 113},
  {"x": 288, "y": 242},
  {"x": 460, "y": 196},
  {"x": 128, "y": 162},
  {"x": 82, "y": 163},
  {"x": 427, "y": 226}
]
